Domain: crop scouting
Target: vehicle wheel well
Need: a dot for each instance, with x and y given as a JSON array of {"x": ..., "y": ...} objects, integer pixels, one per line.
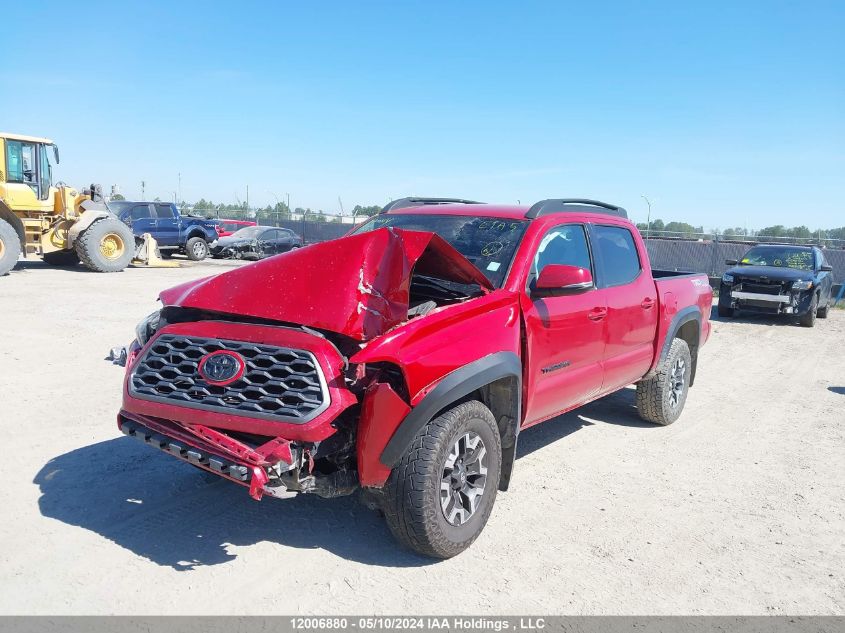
[
  {"x": 689, "y": 332},
  {"x": 15, "y": 221},
  {"x": 502, "y": 397}
]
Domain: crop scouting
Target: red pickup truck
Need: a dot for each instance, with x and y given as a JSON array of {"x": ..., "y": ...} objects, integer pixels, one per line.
[{"x": 405, "y": 358}]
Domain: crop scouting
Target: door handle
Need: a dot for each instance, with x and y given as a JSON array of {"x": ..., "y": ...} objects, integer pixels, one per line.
[
  {"x": 647, "y": 303},
  {"x": 597, "y": 314}
]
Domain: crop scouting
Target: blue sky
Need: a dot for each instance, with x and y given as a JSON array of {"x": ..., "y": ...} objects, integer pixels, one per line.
[{"x": 722, "y": 113}]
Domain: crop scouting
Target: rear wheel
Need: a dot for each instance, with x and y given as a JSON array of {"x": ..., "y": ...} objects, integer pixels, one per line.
[
  {"x": 809, "y": 319},
  {"x": 107, "y": 246},
  {"x": 61, "y": 258},
  {"x": 440, "y": 495},
  {"x": 661, "y": 398},
  {"x": 196, "y": 249},
  {"x": 10, "y": 247}
]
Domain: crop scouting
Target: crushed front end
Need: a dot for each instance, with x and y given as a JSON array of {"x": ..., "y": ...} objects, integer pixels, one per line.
[{"x": 250, "y": 374}]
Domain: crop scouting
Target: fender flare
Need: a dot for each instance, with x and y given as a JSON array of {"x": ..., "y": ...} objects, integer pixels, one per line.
[
  {"x": 687, "y": 315},
  {"x": 196, "y": 231},
  {"x": 7, "y": 215},
  {"x": 85, "y": 220},
  {"x": 454, "y": 386}
]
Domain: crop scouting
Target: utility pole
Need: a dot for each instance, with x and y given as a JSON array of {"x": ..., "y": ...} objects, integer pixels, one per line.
[
  {"x": 179, "y": 187},
  {"x": 247, "y": 197},
  {"x": 648, "y": 221},
  {"x": 143, "y": 184},
  {"x": 340, "y": 202}
]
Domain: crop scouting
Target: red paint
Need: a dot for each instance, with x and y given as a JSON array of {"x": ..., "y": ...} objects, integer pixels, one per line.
[
  {"x": 381, "y": 412},
  {"x": 555, "y": 276},
  {"x": 228, "y": 227},
  {"x": 574, "y": 347},
  {"x": 357, "y": 285}
]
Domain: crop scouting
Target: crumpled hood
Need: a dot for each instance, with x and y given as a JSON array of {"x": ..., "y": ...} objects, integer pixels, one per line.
[
  {"x": 775, "y": 273},
  {"x": 356, "y": 285}
]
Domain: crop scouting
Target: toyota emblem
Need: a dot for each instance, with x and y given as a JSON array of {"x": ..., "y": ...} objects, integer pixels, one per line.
[{"x": 222, "y": 368}]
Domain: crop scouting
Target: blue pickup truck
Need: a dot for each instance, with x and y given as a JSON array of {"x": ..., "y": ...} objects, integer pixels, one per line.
[{"x": 174, "y": 232}]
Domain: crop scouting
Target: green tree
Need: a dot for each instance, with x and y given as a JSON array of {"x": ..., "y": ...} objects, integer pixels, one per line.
[
  {"x": 368, "y": 211},
  {"x": 117, "y": 196}
]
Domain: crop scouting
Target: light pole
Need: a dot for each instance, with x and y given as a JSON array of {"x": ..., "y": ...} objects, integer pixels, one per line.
[{"x": 648, "y": 221}]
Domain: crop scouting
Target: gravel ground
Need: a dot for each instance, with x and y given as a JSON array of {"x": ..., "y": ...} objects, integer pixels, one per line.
[{"x": 739, "y": 507}]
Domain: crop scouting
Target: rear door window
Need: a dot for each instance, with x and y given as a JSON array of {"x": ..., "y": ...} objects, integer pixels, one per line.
[
  {"x": 619, "y": 262},
  {"x": 164, "y": 211}
]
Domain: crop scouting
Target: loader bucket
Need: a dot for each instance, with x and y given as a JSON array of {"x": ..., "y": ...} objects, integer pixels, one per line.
[{"x": 147, "y": 254}]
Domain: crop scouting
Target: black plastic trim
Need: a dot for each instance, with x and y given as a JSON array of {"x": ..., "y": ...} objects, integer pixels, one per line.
[
  {"x": 690, "y": 313},
  {"x": 453, "y": 387},
  {"x": 404, "y": 203},
  {"x": 574, "y": 205}
]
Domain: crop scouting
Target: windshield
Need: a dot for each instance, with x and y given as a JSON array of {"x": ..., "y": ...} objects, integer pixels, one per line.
[
  {"x": 780, "y": 256},
  {"x": 489, "y": 243},
  {"x": 249, "y": 232}
]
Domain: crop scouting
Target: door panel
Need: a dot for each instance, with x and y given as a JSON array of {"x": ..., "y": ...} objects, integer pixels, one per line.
[
  {"x": 631, "y": 307},
  {"x": 141, "y": 220},
  {"x": 565, "y": 334},
  {"x": 167, "y": 225}
]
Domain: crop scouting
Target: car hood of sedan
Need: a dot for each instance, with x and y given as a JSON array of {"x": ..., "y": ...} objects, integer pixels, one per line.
[{"x": 775, "y": 273}]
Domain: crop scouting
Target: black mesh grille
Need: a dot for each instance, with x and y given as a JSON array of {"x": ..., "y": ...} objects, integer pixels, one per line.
[
  {"x": 278, "y": 382},
  {"x": 763, "y": 287}
]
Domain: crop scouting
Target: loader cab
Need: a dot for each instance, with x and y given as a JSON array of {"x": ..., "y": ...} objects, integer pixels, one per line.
[{"x": 26, "y": 172}]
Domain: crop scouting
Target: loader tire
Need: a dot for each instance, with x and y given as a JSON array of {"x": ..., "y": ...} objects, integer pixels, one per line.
[
  {"x": 10, "y": 247},
  {"x": 661, "y": 398},
  {"x": 107, "y": 246},
  {"x": 61, "y": 258},
  {"x": 439, "y": 496}
]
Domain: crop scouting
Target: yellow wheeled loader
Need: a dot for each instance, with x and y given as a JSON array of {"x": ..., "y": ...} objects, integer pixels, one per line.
[{"x": 61, "y": 224}]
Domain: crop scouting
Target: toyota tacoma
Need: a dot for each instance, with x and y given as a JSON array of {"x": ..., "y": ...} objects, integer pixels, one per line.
[{"x": 404, "y": 359}]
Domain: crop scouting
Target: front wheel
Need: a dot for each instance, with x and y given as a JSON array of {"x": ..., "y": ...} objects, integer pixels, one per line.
[
  {"x": 10, "y": 247},
  {"x": 196, "y": 249},
  {"x": 440, "y": 495},
  {"x": 809, "y": 319},
  {"x": 107, "y": 246},
  {"x": 661, "y": 398},
  {"x": 822, "y": 313}
]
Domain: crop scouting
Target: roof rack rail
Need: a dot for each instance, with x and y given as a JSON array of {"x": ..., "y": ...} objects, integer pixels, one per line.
[
  {"x": 582, "y": 205},
  {"x": 403, "y": 203}
]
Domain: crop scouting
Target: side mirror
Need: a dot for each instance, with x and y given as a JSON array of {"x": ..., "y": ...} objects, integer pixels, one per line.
[
  {"x": 559, "y": 279},
  {"x": 826, "y": 269},
  {"x": 731, "y": 262}
]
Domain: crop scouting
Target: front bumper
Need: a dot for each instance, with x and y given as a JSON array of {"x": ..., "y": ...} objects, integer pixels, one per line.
[{"x": 792, "y": 302}]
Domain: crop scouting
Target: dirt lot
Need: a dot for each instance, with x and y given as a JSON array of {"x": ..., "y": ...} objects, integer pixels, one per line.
[{"x": 739, "y": 507}]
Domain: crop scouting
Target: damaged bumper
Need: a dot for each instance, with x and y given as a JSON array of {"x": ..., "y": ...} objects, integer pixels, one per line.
[{"x": 278, "y": 469}]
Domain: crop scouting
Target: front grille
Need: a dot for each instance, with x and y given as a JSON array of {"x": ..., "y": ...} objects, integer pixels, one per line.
[
  {"x": 278, "y": 383},
  {"x": 762, "y": 287}
]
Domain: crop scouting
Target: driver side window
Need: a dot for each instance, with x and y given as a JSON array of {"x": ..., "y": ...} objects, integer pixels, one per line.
[{"x": 565, "y": 244}]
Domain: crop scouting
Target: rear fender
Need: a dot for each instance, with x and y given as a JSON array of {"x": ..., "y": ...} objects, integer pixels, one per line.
[{"x": 686, "y": 325}]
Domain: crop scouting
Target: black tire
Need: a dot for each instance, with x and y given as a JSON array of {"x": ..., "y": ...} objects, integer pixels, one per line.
[
  {"x": 61, "y": 258},
  {"x": 809, "y": 319},
  {"x": 10, "y": 247},
  {"x": 412, "y": 497},
  {"x": 107, "y": 246},
  {"x": 659, "y": 398},
  {"x": 725, "y": 312},
  {"x": 196, "y": 248},
  {"x": 822, "y": 313}
]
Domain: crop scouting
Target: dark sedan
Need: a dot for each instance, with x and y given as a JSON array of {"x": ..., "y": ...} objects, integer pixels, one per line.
[
  {"x": 778, "y": 279},
  {"x": 256, "y": 242}
]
